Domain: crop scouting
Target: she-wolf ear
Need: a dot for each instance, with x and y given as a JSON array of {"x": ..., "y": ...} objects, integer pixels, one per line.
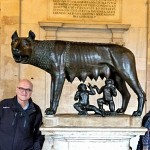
[
  {"x": 14, "y": 36},
  {"x": 31, "y": 35}
]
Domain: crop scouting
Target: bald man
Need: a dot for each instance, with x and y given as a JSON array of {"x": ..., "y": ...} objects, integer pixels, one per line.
[{"x": 20, "y": 120}]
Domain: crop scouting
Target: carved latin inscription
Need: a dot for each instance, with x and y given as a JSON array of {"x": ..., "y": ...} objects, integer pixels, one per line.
[{"x": 85, "y": 10}]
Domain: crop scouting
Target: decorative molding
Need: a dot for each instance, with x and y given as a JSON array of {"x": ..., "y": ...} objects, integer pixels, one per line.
[
  {"x": 85, "y": 32},
  {"x": 90, "y": 138}
]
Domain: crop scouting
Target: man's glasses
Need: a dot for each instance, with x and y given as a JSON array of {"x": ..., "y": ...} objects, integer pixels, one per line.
[{"x": 21, "y": 89}]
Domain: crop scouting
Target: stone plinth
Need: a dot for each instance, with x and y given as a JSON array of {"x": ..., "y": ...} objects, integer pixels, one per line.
[
  {"x": 74, "y": 120},
  {"x": 73, "y": 132}
]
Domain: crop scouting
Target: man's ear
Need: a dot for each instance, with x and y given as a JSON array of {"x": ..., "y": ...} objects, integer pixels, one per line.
[
  {"x": 31, "y": 35},
  {"x": 14, "y": 36}
]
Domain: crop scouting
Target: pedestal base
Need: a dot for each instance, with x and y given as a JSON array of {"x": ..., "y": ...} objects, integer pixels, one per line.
[{"x": 78, "y": 133}]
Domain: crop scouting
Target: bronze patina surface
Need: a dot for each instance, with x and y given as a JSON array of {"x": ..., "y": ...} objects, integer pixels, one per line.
[{"x": 67, "y": 60}]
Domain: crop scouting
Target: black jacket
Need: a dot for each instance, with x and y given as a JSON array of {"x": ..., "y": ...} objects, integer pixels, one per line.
[
  {"x": 144, "y": 140},
  {"x": 19, "y": 129}
]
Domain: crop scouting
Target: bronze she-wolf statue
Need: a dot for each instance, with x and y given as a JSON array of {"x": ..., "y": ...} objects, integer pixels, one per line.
[{"x": 67, "y": 60}]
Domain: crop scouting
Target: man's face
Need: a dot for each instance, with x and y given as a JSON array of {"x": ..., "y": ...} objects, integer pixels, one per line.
[{"x": 24, "y": 91}]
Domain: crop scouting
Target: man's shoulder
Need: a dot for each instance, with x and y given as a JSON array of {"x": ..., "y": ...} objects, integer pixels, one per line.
[
  {"x": 36, "y": 106},
  {"x": 7, "y": 101}
]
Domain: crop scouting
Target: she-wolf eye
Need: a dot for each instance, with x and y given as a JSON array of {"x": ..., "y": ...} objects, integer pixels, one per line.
[{"x": 25, "y": 43}]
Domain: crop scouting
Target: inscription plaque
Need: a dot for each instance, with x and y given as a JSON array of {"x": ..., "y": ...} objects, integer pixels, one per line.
[{"x": 85, "y": 11}]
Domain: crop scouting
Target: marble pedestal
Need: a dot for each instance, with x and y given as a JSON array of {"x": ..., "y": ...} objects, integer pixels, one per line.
[{"x": 73, "y": 132}]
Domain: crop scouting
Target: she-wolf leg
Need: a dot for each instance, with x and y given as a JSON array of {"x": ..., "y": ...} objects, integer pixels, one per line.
[
  {"x": 122, "y": 88},
  {"x": 56, "y": 90}
]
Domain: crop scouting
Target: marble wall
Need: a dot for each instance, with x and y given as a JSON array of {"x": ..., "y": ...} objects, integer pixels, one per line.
[
  {"x": 148, "y": 59},
  {"x": 25, "y": 15}
]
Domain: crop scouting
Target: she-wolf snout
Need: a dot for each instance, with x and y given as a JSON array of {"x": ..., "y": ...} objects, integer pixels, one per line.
[{"x": 16, "y": 51}]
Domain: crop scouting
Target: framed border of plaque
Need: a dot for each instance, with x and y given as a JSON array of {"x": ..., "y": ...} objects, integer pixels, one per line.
[{"x": 85, "y": 11}]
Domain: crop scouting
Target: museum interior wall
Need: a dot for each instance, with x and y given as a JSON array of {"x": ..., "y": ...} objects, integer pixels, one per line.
[{"x": 25, "y": 15}]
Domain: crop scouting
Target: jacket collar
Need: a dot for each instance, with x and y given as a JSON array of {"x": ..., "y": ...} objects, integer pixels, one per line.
[{"x": 17, "y": 107}]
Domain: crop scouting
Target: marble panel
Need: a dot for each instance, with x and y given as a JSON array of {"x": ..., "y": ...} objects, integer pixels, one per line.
[
  {"x": 77, "y": 138},
  {"x": 131, "y": 13},
  {"x": 6, "y": 60},
  {"x": 9, "y": 8},
  {"x": 33, "y": 11}
]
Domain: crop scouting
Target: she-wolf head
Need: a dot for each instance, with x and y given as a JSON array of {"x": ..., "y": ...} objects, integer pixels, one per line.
[{"x": 22, "y": 47}]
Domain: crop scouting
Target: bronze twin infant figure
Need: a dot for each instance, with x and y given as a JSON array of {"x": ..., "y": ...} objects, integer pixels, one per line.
[{"x": 83, "y": 105}]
